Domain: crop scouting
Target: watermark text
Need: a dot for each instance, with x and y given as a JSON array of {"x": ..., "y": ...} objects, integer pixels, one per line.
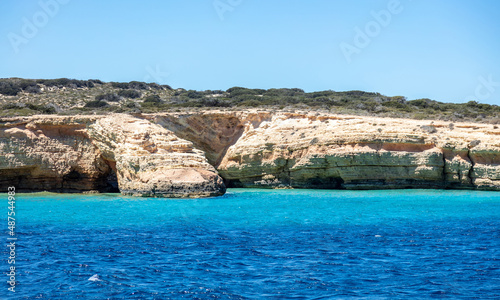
[
  {"x": 485, "y": 88},
  {"x": 31, "y": 26},
  {"x": 223, "y": 6},
  {"x": 364, "y": 36},
  {"x": 11, "y": 240}
]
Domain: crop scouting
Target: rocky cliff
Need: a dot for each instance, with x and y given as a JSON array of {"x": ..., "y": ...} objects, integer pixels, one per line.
[
  {"x": 67, "y": 154},
  {"x": 150, "y": 160},
  {"x": 314, "y": 150},
  {"x": 324, "y": 151},
  {"x": 188, "y": 154},
  {"x": 50, "y": 153}
]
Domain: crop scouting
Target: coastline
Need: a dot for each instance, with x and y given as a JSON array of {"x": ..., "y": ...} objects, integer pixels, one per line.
[{"x": 199, "y": 154}]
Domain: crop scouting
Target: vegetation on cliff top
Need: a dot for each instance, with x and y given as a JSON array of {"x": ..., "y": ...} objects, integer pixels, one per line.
[{"x": 70, "y": 96}]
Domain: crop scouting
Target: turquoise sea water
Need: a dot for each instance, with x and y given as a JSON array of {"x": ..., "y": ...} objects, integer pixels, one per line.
[{"x": 254, "y": 244}]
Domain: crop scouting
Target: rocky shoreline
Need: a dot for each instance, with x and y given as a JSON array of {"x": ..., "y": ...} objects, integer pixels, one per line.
[{"x": 198, "y": 154}]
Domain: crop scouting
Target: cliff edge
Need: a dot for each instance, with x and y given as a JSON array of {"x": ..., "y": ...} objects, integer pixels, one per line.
[
  {"x": 197, "y": 154},
  {"x": 325, "y": 151},
  {"x": 105, "y": 153},
  {"x": 256, "y": 148}
]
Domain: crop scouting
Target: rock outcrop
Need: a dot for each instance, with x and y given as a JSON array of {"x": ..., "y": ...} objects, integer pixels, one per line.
[
  {"x": 74, "y": 154},
  {"x": 187, "y": 154},
  {"x": 212, "y": 132},
  {"x": 327, "y": 151},
  {"x": 50, "y": 153},
  {"x": 150, "y": 160}
]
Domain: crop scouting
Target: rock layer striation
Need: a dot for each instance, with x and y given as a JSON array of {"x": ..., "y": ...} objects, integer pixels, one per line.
[
  {"x": 74, "y": 154},
  {"x": 194, "y": 154},
  {"x": 50, "y": 153},
  {"x": 150, "y": 160},
  {"x": 328, "y": 151}
]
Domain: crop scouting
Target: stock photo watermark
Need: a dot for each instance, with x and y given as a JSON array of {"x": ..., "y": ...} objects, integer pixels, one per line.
[
  {"x": 224, "y": 6},
  {"x": 195, "y": 207},
  {"x": 155, "y": 75},
  {"x": 31, "y": 26},
  {"x": 11, "y": 240},
  {"x": 364, "y": 36},
  {"x": 485, "y": 88}
]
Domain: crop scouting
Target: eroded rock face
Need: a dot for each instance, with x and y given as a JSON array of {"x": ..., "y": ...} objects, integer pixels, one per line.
[
  {"x": 52, "y": 154},
  {"x": 326, "y": 151},
  {"x": 152, "y": 161},
  {"x": 163, "y": 155},
  {"x": 75, "y": 154},
  {"x": 213, "y": 133}
]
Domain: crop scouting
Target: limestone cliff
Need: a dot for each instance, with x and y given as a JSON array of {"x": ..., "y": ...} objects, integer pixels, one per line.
[
  {"x": 327, "y": 151},
  {"x": 151, "y": 161},
  {"x": 67, "y": 154},
  {"x": 212, "y": 131},
  {"x": 183, "y": 154},
  {"x": 50, "y": 153}
]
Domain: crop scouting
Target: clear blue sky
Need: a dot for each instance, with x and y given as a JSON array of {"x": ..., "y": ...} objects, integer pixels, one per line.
[{"x": 447, "y": 50}]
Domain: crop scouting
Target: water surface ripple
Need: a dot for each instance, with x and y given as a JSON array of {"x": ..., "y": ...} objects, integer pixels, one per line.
[{"x": 254, "y": 244}]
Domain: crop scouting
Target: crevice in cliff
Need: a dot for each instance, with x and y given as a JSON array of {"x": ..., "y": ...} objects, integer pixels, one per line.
[
  {"x": 445, "y": 182},
  {"x": 211, "y": 133},
  {"x": 471, "y": 169},
  {"x": 286, "y": 170},
  {"x": 226, "y": 148},
  {"x": 283, "y": 173},
  {"x": 111, "y": 179}
]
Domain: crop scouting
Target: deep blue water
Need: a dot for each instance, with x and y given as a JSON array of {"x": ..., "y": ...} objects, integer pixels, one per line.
[{"x": 254, "y": 244}]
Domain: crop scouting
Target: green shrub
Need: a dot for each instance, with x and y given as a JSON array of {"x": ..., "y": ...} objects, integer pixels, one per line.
[
  {"x": 132, "y": 105},
  {"x": 239, "y": 91},
  {"x": 321, "y": 94},
  {"x": 246, "y": 97},
  {"x": 155, "y": 86},
  {"x": 113, "y": 97},
  {"x": 69, "y": 83},
  {"x": 394, "y": 104},
  {"x": 7, "y": 89},
  {"x": 45, "y": 109},
  {"x": 129, "y": 94},
  {"x": 284, "y": 92},
  {"x": 95, "y": 81},
  {"x": 355, "y": 102},
  {"x": 42, "y": 108},
  {"x": 96, "y": 104},
  {"x": 35, "y": 89},
  {"x": 137, "y": 85},
  {"x": 399, "y": 99},
  {"x": 25, "y": 83},
  {"x": 250, "y": 103},
  {"x": 120, "y": 85},
  {"x": 213, "y": 92},
  {"x": 153, "y": 99},
  {"x": 194, "y": 94},
  {"x": 214, "y": 102},
  {"x": 13, "y": 106}
]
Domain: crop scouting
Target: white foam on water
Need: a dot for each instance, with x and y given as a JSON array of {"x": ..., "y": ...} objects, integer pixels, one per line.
[{"x": 94, "y": 278}]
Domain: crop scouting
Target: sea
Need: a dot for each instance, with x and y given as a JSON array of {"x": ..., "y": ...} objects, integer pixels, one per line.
[{"x": 256, "y": 244}]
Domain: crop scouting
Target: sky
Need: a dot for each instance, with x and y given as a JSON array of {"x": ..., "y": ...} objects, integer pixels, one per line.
[{"x": 445, "y": 50}]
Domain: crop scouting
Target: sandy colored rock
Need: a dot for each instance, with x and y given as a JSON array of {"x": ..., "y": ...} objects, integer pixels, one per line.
[
  {"x": 50, "y": 153},
  {"x": 182, "y": 154},
  {"x": 313, "y": 150},
  {"x": 103, "y": 153},
  {"x": 152, "y": 161}
]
